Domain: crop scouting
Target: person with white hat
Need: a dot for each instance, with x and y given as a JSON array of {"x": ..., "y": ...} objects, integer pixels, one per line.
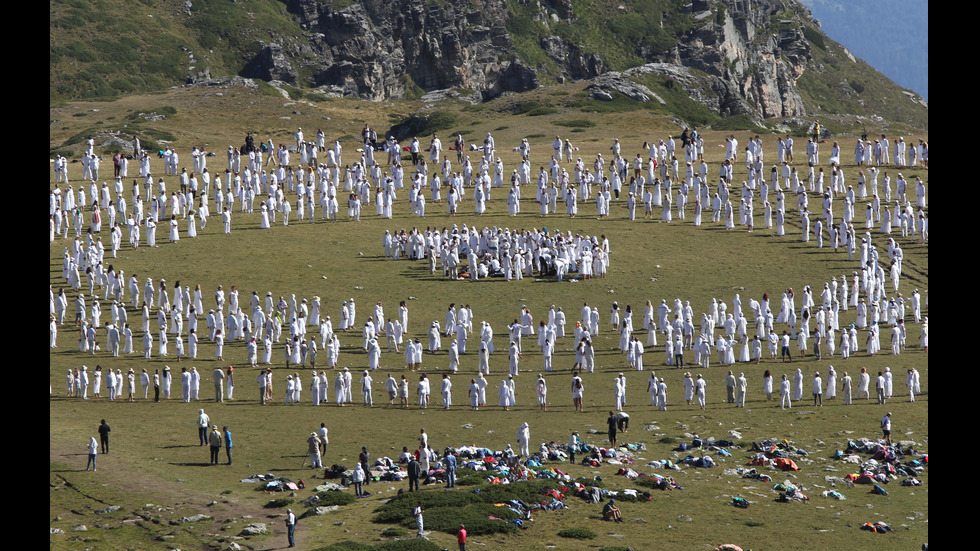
[
  {"x": 523, "y": 440},
  {"x": 366, "y": 381},
  {"x": 348, "y": 385},
  {"x": 447, "y": 391},
  {"x": 202, "y": 425},
  {"x": 619, "y": 391},
  {"x": 699, "y": 385}
]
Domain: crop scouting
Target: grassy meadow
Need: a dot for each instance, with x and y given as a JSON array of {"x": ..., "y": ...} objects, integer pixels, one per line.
[{"x": 157, "y": 473}]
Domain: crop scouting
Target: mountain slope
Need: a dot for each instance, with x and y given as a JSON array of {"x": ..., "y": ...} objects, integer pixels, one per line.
[{"x": 755, "y": 60}]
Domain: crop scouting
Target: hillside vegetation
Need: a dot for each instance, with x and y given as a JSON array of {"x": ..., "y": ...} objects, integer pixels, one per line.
[{"x": 105, "y": 49}]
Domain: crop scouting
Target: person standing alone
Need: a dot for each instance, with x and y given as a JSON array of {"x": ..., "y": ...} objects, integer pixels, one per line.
[
  {"x": 886, "y": 427},
  {"x": 291, "y": 527},
  {"x": 417, "y": 513},
  {"x": 104, "y": 436}
]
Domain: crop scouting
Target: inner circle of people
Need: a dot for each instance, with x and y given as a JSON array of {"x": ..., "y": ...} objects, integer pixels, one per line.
[{"x": 301, "y": 327}]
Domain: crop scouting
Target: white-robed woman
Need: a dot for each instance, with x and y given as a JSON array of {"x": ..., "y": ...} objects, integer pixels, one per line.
[
  {"x": 191, "y": 224},
  {"x": 503, "y": 395},
  {"x": 230, "y": 381},
  {"x": 251, "y": 351},
  {"x": 264, "y": 213},
  {"x": 831, "y": 391},
  {"x": 174, "y": 229},
  {"x": 474, "y": 393}
]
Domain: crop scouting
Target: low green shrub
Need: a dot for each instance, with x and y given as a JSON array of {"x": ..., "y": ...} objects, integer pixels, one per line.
[
  {"x": 423, "y": 124},
  {"x": 474, "y": 516},
  {"x": 578, "y": 533},
  {"x": 279, "y": 502},
  {"x": 444, "y": 511},
  {"x": 335, "y": 498},
  {"x": 575, "y": 123},
  {"x": 414, "y": 544},
  {"x": 400, "y": 507},
  {"x": 346, "y": 546},
  {"x": 544, "y": 110}
]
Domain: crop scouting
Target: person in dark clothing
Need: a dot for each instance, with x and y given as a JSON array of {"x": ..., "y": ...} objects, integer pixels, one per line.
[
  {"x": 414, "y": 471},
  {"x": 104, "y": 436},
  {"x": 365, "y": 460},
  {"x": 612, "y": 421}
]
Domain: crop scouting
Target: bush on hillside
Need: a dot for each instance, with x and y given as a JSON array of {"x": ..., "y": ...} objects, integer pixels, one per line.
[
  {"x": 426, "y": 124},
  {"x": 578, "y": 533},
  {"x": 279, "y": 502},
  {"x": 335, "y": 498},
  {"x": 474, "y": 516}
]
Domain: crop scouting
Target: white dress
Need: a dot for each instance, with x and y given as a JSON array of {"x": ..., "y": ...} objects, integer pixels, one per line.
[{"x": 265, "y": 217}]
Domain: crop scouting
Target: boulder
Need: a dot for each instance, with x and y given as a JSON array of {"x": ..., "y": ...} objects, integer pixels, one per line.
[
  {"x": 254, "y": 529},
  {"x": 618, "y": 82},
  {"x": 316, "y": 511}
]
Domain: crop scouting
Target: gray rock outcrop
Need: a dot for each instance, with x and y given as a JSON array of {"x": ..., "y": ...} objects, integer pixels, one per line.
[
  {"x": 379, "y": 49},
  {"x": 271, "y": 63},
  {"x": 737, "y": 57},
  {"x": 254, "y": 529}
]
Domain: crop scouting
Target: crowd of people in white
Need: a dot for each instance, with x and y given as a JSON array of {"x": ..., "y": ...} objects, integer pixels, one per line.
[{"x": 264, "y": 323}]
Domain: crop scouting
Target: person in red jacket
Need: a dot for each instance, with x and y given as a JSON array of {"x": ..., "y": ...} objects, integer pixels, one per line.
[{"x": 461, "y": 537}]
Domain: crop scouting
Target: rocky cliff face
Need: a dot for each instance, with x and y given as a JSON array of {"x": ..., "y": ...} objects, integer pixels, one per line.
[
  {"x": 756, "y": 60},
  {"x": 379, "y": 49},
  {"x": 747, "y": 54}
]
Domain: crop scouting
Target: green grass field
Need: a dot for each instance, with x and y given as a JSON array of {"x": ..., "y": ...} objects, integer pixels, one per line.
[{"x": 158, "y": 474}]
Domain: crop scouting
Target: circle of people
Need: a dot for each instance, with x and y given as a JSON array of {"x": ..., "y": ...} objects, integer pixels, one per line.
[{"x": 531, "y": 249}]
